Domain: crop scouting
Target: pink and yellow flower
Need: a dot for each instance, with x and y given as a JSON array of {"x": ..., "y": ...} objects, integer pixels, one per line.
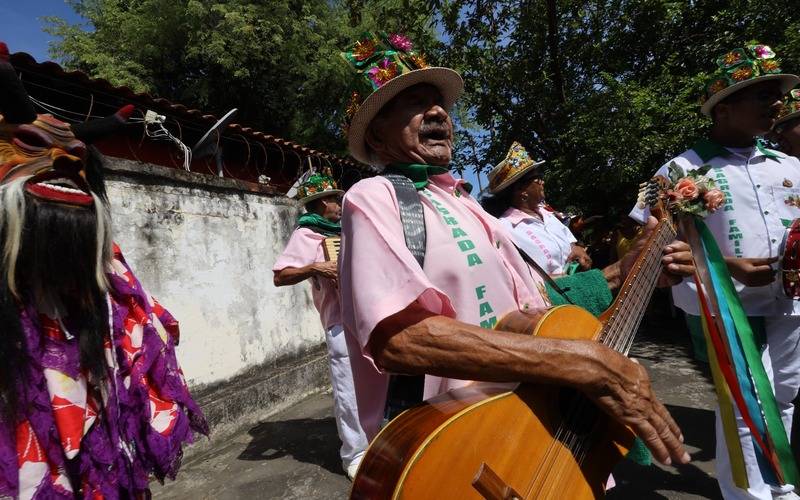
[
  {"x": 383, "y": 72},
  {"x": 400, "y": 42},
  {"x": 763, "y": 52}
]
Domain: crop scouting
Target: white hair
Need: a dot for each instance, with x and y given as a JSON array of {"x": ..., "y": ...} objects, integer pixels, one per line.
[{"x": 12, "y": 223}]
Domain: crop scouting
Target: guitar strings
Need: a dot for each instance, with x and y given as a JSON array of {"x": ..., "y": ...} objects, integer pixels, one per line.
[{"x": 619, "y": 335}]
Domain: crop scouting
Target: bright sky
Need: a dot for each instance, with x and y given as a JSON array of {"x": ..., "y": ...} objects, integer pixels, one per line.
[{"x": 21, "y": 24}]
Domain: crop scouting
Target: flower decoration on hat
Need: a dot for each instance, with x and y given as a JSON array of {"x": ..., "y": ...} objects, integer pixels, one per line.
[
  {"x": 317, "y": 184},
  {"x": 742, "y": 64},
  {"x": 791, "y": 107},
  {"x": 364, "y": 48},
  {"x": 791, "y": 103},
  {"x": 378, "y": 58},
  {"x": 514, "y": 166}
]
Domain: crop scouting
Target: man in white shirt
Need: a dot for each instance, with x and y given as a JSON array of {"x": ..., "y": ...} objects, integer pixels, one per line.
[{"x": 762, "y": 190}]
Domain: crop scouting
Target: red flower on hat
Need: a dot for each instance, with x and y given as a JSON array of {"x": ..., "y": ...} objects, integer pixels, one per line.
[
  {"x": 400, "y": 42},
  {"x": 383, "y": 72},
  {"x": 364, "y": 49}
]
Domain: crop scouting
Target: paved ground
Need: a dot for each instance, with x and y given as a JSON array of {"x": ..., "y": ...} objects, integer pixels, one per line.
[{"x": 294, "y": 454}]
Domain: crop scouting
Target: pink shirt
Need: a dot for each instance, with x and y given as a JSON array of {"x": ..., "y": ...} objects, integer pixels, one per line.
[
  {"x": 472, "y": 273},
  {"x": 305, "y": 248}
]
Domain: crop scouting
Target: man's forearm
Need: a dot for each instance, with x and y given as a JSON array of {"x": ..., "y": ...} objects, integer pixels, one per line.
[
  {"x": 441, "y": 346},
  {"x": 293, "y": 275}
]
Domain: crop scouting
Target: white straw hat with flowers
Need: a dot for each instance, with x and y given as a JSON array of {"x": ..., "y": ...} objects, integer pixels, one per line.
[
  {"x": 318, "y": 185},
  {"x": 387, "y": 65},
  {"x": 740, "y": 68},
  {"x": 516, "y": 164}
]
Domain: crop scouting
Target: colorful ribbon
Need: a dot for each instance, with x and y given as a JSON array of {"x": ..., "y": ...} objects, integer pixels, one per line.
[{"x": 739, "y": 375}]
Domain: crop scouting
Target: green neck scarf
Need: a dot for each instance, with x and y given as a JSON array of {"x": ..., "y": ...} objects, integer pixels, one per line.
[
  {"x": 707, "y": 149},
  {"x": 417, "y": 172},
  {"x": 320, "y": 224}
]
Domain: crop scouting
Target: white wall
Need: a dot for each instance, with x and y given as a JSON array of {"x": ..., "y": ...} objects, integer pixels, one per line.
[{"x": 206, "y": 254}]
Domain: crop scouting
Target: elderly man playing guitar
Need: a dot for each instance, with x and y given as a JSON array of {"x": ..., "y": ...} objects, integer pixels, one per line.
[{"x": 428, "y": 308}]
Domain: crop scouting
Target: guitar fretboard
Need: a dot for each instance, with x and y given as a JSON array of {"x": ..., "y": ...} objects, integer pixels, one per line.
[{"x": 635, "y": 293}]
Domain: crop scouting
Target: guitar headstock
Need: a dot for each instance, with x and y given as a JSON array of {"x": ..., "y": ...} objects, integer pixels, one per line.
[{"x": 654, "y": 194}]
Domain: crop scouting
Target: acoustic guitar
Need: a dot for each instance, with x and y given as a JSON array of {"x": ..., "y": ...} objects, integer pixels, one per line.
[{"x": 532, "y": 442}]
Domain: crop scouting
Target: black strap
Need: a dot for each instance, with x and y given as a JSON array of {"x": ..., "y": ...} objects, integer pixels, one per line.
[
  {"x": 541, "y": 272},
  {"x": 411, "y": 214},
  {"x": 406, "y": 391}
]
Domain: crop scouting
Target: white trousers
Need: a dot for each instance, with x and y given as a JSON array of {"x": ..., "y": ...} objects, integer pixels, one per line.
[
  {"x": 781, "y": 361},
  {"x": 345, "y": 410}
]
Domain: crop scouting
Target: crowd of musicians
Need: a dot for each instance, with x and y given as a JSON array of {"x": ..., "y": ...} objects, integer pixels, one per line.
[
  {"x": 411, "y": 272},
  {"x": 397, "y": 304}
]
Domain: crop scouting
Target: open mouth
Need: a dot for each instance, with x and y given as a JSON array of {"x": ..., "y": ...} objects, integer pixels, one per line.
[
  {"x": 436, "y": 135},
  {"x": 60, "y": 188}
]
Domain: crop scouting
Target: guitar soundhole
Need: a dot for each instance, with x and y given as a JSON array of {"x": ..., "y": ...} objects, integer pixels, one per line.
[{"x": 578, "y": 414}]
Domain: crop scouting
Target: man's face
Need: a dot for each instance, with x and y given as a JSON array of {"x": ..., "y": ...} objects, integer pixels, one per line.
[
  {"x": 753, "y": 110},
  {"x": 330, "y": 208},
  {"x": 787, "y": 136},
  {"x": 413, "y": 128}
]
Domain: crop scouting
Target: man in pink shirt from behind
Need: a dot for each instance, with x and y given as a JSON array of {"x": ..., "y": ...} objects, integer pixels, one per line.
[
  {"x": 436, "y": 318},
  {"x": 304, "y": 259}
]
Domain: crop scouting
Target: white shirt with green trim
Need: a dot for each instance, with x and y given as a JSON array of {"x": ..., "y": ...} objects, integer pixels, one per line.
[{"x": 762, "y": 191}]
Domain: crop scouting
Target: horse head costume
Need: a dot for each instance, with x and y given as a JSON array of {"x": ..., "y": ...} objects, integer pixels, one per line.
[{"x": 93, "y": 400}]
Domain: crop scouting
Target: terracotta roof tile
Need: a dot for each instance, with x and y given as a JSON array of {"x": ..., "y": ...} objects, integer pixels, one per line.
[{"x": 25, "y": 62}]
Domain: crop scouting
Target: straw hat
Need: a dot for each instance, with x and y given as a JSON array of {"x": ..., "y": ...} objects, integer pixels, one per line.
[
  {"x": 317, "y": 186},
  {"x": 741, "y": 68},
  {"x": 516, "y": 164},
  {"x": 387, "y": 65}
]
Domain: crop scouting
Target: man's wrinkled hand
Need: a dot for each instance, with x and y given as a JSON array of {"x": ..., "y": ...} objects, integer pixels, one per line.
[
  {"x": 579, "y": 255},
  {"x": 621, "y": 388},
  {"x": 326, "y": 270},
  {"x": 752, "y": 272}
]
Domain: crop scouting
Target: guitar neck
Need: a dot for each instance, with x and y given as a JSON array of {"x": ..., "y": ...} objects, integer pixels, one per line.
[{"x": 622, "y": 319}]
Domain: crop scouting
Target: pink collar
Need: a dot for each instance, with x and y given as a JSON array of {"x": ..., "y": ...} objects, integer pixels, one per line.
[{"x": 515, "y": 216}]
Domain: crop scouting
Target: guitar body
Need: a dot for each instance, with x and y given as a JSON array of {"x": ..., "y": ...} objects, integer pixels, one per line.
[{"x": 489, "y": 441}]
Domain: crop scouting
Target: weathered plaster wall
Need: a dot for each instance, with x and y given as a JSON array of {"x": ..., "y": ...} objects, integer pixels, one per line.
[{"x": 205, "y": 250}]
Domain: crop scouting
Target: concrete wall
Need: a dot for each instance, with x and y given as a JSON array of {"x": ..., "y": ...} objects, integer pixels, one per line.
[{"x": 205, "y": 248}]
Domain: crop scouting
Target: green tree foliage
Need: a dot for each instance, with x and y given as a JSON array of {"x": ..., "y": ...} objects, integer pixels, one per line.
[
  {"x": 275, "y": 60},
  {"x": 605, "y": 90}
]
